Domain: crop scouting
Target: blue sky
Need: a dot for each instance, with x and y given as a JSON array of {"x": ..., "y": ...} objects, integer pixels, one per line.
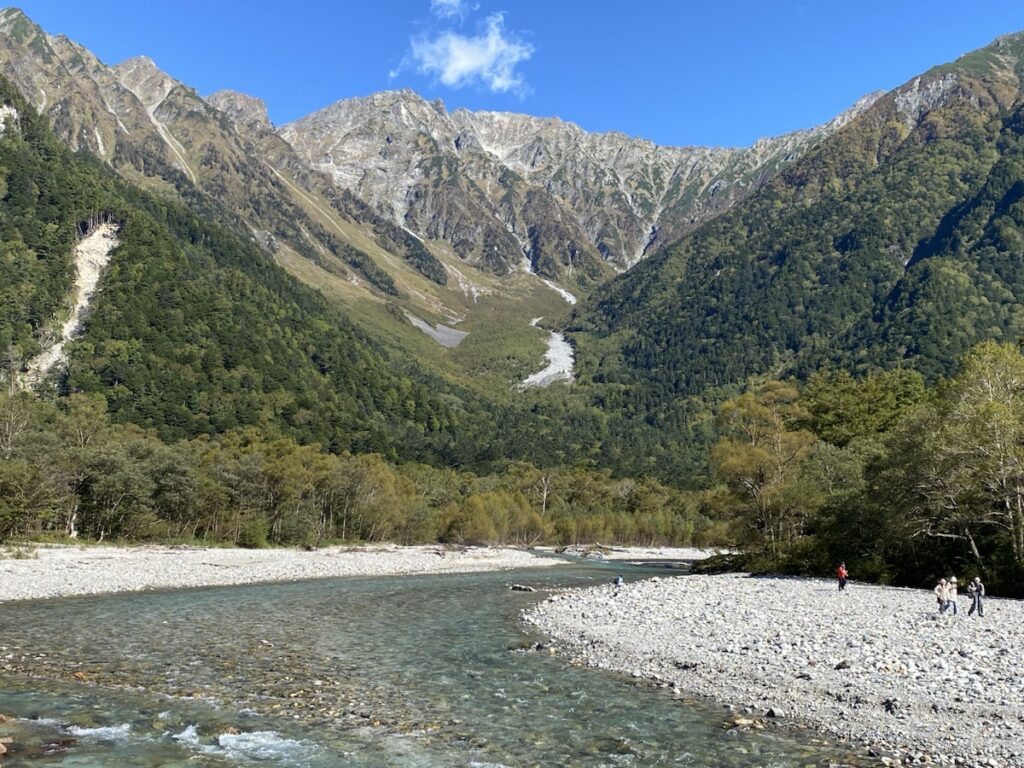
[{"x": 709, "y": 73}]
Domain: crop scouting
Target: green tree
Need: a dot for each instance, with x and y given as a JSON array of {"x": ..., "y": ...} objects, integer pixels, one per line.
[
  {"x": 842, "y": 408},
  {"x": 761, "y": 458},
  {"x": 970, "y": 453}
]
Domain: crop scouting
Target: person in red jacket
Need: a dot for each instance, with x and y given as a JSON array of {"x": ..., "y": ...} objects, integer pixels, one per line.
[{"x": 842, "y": 575}]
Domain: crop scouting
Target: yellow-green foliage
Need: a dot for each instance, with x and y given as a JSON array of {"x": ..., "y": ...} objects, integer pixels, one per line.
[{"x": 67, "y": 467}]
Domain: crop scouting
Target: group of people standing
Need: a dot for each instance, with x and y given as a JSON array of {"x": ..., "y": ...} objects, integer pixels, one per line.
[{"x": 946, "y": 594}]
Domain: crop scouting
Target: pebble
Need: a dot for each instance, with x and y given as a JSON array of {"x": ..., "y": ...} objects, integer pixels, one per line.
[
  {"x": 62, "y": 571},
  {"x": 873, "y": 665}
]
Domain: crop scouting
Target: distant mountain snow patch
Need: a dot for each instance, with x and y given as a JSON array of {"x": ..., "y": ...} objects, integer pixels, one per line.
[
  {"x": 527, "y": 266},
  {"x": 559, "y": 290},
  {"x": 444, "y": 335}
]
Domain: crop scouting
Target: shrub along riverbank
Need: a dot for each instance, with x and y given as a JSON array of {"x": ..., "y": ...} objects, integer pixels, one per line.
[
  {"x": 906, "y": 484},
  {"x": 67, "y": 469}
]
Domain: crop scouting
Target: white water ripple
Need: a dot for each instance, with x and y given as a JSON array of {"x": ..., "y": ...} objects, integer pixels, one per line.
[{"x": 249, "y": 745}]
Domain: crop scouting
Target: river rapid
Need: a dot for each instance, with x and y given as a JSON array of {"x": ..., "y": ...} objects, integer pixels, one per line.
[{"x": 408, "y": 670}]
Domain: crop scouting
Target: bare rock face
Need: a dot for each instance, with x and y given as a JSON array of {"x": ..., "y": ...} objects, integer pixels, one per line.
[
  {"x": 554, "y": 186},
  {"x": 55, "y": 76},
  {"x": 916, "y": 98},
  {"x": 374, "y": 145},
  {"x": 141, "y": 76},
  {"x": 243, "y": 110},
  {"x": 87, "y": 103},
  {"x": 410, "y": 160}
]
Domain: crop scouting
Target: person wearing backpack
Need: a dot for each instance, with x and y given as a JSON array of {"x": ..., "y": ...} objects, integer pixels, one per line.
[{"x": 842, "y": 575}]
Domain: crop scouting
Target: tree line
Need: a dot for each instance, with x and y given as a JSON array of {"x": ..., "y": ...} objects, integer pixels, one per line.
[
  {"x": 903, "y": 482},
  {"x": 68, "y": 471}
]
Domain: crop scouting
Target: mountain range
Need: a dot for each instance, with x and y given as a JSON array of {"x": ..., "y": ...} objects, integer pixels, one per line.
[
  {"x": 895, "y": 243},
  {"x": 498, "y": 189},
  {"x": 888, "y": 237},
  {"x": 562, "y": 195}
]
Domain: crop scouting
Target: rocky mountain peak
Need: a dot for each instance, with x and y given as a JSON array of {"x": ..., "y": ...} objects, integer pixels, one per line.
[
  {"x": 404, "y": 109},
  {"x": 624, "y": 194},
  {"x": 1000, "y": 65},
  {"x": 145, "y": 79},
  {"x": 15, "y": 23},
  {"x": 861, "y": 105},
  {"x": 243, "y": 110},
  {"x": 19, "y": 35}
]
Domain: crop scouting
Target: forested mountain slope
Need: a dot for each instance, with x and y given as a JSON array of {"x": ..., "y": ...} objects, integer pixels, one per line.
[
  {"x": 389, "y": 204},
  {"x": 222, "y": 157},
  {"x": 897, "y": 241},
  {"x": 194, "y": 329},
  {"x": 158, "y": 132}
]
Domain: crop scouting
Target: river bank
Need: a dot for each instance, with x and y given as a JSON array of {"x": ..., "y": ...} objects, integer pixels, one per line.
[
  {"x": 874, "y": 665},
  {"x": 427, "y": 670},
  {"x": 63, "y": 571}
]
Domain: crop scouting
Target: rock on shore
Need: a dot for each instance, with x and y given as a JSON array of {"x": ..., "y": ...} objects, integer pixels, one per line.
[
  {"x": 65, "y": 571},
  {"x": 872, "y": 664}
]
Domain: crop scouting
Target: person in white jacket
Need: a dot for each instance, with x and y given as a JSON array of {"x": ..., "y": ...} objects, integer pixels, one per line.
[
  {"x": 951, "y": 595},
  {"x": 941, "y": 594}
]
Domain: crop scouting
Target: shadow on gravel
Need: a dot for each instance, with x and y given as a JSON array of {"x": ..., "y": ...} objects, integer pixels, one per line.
[{"x": 716, "y": 564}]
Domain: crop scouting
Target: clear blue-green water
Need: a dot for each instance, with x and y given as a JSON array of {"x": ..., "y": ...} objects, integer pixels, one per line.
[{"x": 397, "y": 671}]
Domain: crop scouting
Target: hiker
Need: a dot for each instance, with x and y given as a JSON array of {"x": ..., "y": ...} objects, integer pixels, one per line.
[
  {"x": 619, "y": 581},
  {"x": 941, "y": 595},
  {"x": 976, "y": 591},
  {"x": 842, "y": 574},
  {"x": 951, "y": 595}
]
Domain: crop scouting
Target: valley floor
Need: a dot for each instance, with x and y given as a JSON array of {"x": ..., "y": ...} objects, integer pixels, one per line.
[
  {"x": 61, "y": 571},
  {"x": 872, "y": 664}
]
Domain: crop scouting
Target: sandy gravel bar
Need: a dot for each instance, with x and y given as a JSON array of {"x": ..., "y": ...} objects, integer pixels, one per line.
[
  {"x": 633, "y": 553},
  {"x": 875, "y": 665},
  {"x": 659, "y": 553},
  {"x": 65, "y": 571}
]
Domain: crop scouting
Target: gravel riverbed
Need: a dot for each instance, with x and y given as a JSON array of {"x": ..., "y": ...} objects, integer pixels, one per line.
[
  {"x": 874, "y": 665},
  {"x": 61, "y": 571}
]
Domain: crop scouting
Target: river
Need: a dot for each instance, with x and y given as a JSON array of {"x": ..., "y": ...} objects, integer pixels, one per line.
[{"x": 409, "y": 671}]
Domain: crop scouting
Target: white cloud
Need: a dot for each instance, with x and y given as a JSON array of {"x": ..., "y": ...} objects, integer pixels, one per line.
[
  {"x": 489, "y": 58},
  {"x": 451, "y": 9}
]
